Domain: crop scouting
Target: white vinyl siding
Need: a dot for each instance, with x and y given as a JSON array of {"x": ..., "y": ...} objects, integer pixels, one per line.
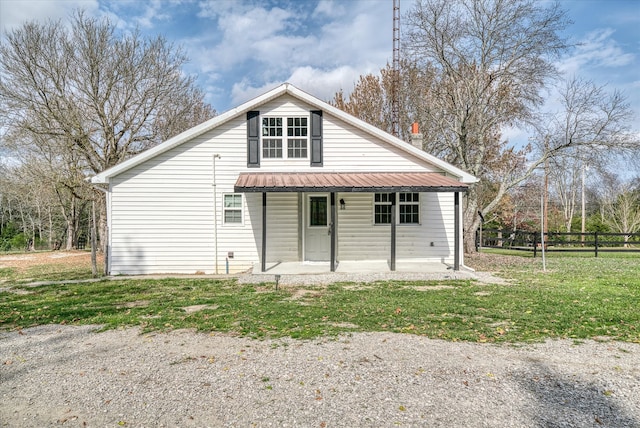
[
  {"x": 360, "y": 239},
  {"x": 162, "y": 218},
  {"x": 162, "y": 211},
  {"x": 437, "y": 215},
  {"x": 347, "y": 148},
  {"x": 282, "y": 227}
]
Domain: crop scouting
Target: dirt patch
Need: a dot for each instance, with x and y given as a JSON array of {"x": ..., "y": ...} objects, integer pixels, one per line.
[
  {"x": 303, "y": 293},
  {"x": 432, "y": 287},
  {"x": 358, "y": 287},
  {"x": 22, "y": 262},
  {"x": 135, "y": 304},
  {"x": 198, "y": 308},
  {"x": 344, "y": 325},
  {"x": 486, "y": 262}
]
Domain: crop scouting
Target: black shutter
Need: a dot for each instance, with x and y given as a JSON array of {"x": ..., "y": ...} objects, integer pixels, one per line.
[
  {"x": 253, "y": 139},
  {"x": 316, "y": 138}
]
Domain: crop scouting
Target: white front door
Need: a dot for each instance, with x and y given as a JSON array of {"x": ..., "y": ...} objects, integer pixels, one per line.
[{"x": 317, "y": 232}]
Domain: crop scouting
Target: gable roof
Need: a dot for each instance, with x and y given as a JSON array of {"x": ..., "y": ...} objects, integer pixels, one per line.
[{"x": 288, "y": 89}]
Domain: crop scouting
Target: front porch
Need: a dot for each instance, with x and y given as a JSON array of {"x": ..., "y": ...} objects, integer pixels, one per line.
[
  {"x": 358, "y": 272},
  {"x": 362, "y": 228}
]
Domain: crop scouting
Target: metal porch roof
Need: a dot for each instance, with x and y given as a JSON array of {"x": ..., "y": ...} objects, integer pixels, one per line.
[{"x": 347, "y": 182}]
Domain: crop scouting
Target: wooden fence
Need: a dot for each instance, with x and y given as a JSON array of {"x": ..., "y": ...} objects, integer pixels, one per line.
[{"x": 594, "y": 242}]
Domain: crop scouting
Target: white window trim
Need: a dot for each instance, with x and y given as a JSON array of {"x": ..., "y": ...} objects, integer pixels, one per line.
[
  {"x": 373, "y": 208},
  {"x": 241, "y": 208},
  {"x": 374, "y": 203},
  {"x": 285, "y": 138},
  {"x": 406, "y": 204}
]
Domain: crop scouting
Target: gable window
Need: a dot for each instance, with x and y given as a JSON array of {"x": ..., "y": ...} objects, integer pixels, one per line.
[
  {"x": 408, "y": 208},
  {"x": 232, "y": 208},
  {"x": 382, "y": 208},
  {"x": 296, "y": 130}
]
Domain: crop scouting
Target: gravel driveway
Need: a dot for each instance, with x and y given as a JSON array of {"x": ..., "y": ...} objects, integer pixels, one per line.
[{"x": 72, "y": 376}]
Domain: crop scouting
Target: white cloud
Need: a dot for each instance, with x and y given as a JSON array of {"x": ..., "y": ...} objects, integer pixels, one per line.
[
  {"x": 216, "y": 8},
  {"x": 517, "y": 136},
  {"x": 272, "y": 45},
  {"x": 321, "y": 48},
  {"x": 243, "y": 91},
  {"x": 14, "y": 13},
  {"x": 322, "y": 84},
  {"x": 244, "y": 34},
  {"x": 329, "y": 8},
  {"x": 152, "y": 12},
  {"x": 598, "y": 49}
]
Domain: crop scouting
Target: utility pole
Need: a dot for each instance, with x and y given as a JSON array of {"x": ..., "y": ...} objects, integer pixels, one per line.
[
  {"x": 395, "y": 110},
  {"x": 584, "y": 215},
  {"x": 215, "y": 210},
  {"x": 545, "y": 193},
  {"x": 546, "y": 184}
]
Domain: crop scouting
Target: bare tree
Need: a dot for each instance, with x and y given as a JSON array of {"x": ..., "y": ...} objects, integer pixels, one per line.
[
  {"x": 583, "y": 137},
  {"x": 370, "y": 99},
  {"x": 621, "y": 210},
  {"x": 94, "y": 96},
  {"x": 492, "y": 58},
  {"x": 474, "y": 67}
]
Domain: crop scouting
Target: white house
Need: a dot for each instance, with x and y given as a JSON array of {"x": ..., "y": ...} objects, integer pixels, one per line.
[{"x": 284, "y": 177}]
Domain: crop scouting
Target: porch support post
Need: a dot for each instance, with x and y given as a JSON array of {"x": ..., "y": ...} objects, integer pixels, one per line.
[
  {"x": 456, "y": 233},
  {"x": 393, "y": 231},
  {"x": 264, "y": 232},
  {"x": 332, "y": 229}
]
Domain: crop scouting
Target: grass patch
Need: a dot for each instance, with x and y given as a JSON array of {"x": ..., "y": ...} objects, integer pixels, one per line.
[
  {"x": 47, "y": 266},
  {"x": 575, "y": 298},
  {"x": 56, "y": 272}
]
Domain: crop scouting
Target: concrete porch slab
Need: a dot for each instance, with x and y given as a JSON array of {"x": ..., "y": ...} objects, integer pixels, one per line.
[{"x": 350, "y": 266}]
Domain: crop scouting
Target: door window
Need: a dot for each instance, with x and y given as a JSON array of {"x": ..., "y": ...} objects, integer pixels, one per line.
[{"x": 317, "y": 211}]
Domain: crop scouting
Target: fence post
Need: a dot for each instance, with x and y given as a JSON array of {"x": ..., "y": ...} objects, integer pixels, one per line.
[
  {"x": 595, "y": 238},
  {"x": 535, "y": 244}
]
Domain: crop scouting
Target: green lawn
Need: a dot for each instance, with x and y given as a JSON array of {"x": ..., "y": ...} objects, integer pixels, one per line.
[{"x": 576, "y": 298}]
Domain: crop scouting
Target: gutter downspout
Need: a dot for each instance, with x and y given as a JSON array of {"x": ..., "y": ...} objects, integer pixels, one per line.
[{"x": 215, "y": 211}]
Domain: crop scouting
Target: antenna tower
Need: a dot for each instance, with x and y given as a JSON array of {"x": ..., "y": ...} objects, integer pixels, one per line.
[{"x": 395, "y": 82}]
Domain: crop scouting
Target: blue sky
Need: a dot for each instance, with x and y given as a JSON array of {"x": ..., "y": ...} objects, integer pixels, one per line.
[{"x": 240, "y": 48}]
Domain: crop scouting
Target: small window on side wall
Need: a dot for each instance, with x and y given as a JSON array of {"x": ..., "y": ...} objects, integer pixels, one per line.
[
  {"x": 382, "y": 208},
  {"x": 232, "y": 208},
  {"x": 409, "y": 208}
]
